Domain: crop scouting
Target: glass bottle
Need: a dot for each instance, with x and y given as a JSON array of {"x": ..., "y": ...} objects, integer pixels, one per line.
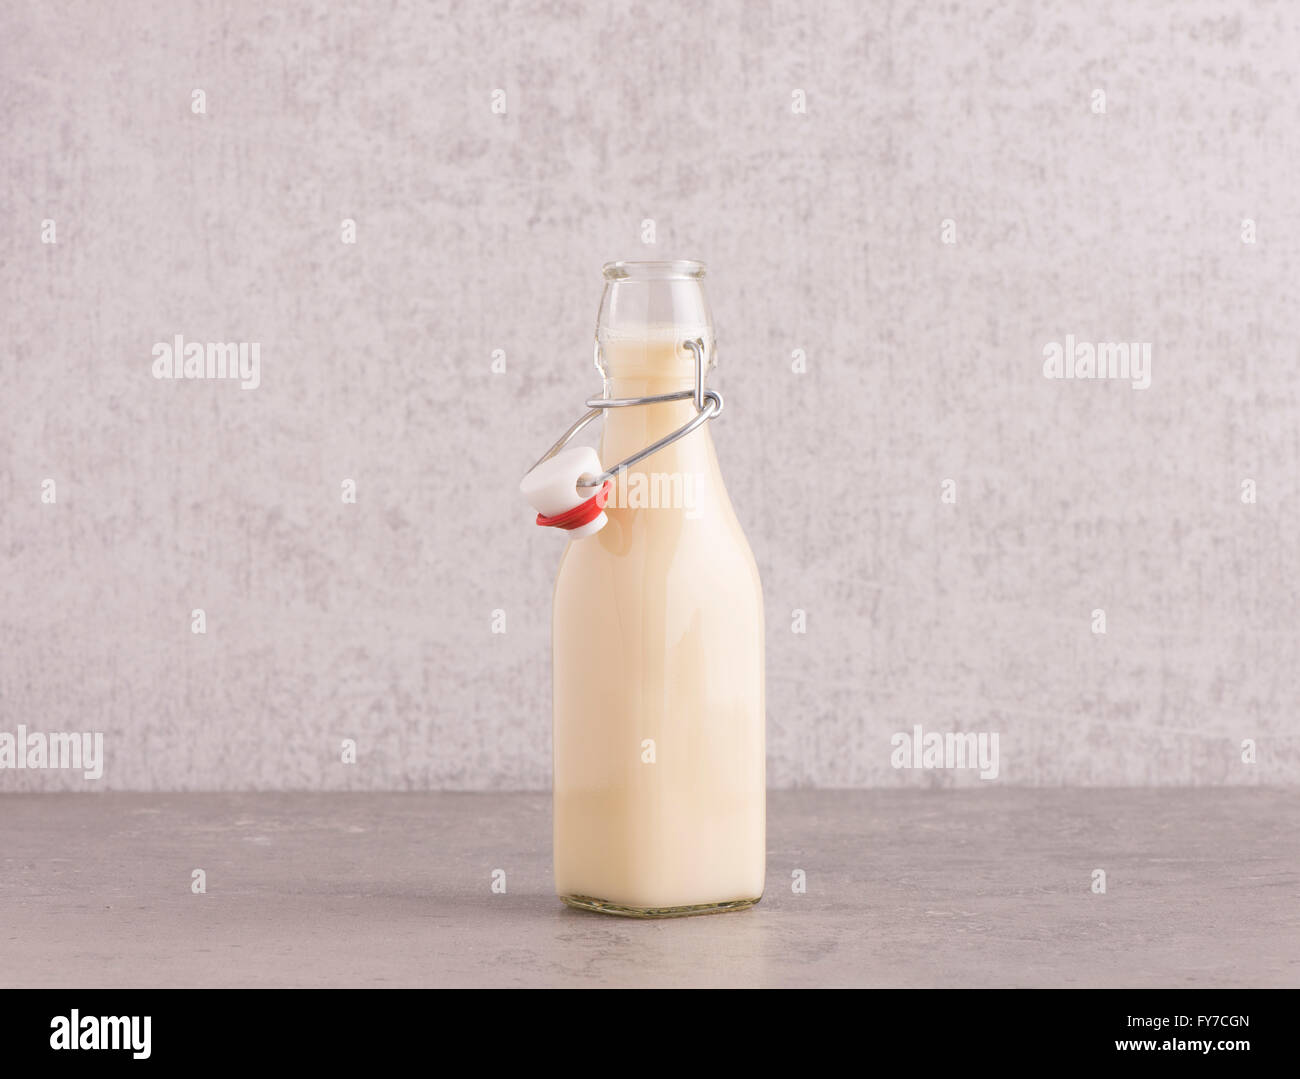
[{"x": 659, "y": 784}]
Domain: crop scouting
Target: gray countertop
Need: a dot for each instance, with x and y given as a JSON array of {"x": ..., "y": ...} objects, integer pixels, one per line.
[{"x": 904, "y": 888}]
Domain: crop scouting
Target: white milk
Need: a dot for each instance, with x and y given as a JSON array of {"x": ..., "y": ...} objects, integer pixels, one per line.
[{"x": 658, "y": 649}]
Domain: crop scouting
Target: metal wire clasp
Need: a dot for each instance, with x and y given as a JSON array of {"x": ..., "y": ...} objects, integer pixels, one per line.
[{"x": 708, "y": 403}]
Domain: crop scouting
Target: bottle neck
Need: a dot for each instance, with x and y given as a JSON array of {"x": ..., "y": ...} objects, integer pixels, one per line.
[
  {"x": 651, "y": 364},
  {"x": 642, "y": 385}
]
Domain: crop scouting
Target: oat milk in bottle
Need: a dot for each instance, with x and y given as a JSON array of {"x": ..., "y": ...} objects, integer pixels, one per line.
[{"x": 658, "y": 638}]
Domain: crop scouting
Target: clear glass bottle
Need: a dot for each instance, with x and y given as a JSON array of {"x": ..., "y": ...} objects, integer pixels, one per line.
[{"x": 659, "y": 782}]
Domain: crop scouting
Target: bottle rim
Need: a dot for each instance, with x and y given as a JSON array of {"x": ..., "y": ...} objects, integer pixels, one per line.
[{"x": 665, "y": 270}]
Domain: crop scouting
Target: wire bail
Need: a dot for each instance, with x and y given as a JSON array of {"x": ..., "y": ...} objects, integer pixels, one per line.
[{"x": 708, "y": 403}]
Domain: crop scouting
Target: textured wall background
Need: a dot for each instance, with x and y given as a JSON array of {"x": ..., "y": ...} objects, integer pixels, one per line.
[{"x": 478, "y": 231}]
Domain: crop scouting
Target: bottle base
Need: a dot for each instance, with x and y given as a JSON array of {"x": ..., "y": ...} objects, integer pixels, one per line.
[{"x": 586, "y": 902}]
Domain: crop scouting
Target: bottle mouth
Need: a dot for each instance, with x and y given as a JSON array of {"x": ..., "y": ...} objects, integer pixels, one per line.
[{"x": 668, "y": 270}]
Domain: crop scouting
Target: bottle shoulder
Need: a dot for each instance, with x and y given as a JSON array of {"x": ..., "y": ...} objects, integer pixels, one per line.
[{"x": 662, "y": 551}]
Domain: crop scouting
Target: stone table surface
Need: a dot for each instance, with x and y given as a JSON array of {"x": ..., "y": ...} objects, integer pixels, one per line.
[{"x": 904, "y": 888}]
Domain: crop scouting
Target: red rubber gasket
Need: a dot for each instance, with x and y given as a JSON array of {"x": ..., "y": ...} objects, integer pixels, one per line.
[{"x": 581, "y": 514}]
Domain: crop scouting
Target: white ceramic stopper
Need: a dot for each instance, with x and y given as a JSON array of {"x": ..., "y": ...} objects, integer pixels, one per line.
[{"x": 552, "y": 487}]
